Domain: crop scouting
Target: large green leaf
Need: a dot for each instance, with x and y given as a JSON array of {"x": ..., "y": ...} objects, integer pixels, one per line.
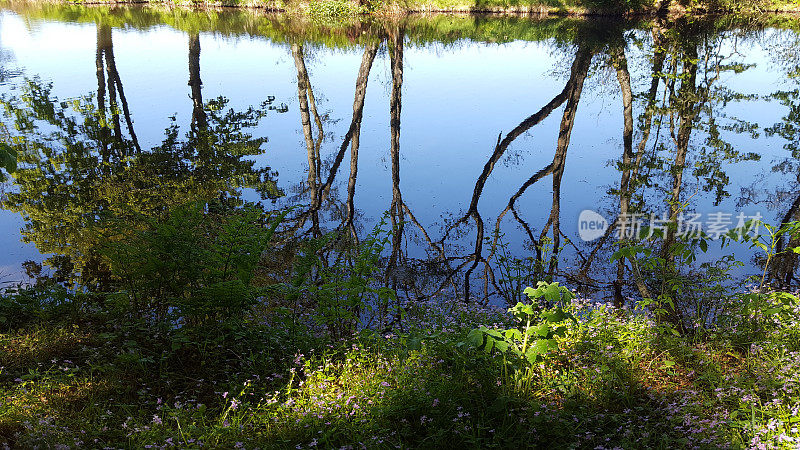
[
  {"x": 539, "y": 348},
  {"x": 475, "y": 336},
  {"x": 501, "y": 346},
  {"x": 513, "y": 333},
  {"x": 542, "y": 329},
  {"x": 556, "y": 315}
]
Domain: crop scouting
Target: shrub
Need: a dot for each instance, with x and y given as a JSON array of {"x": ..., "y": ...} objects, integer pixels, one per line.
[{"x": 193, "y": 267}]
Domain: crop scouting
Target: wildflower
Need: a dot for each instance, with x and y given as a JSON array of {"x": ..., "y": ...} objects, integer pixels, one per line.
[
  {"x": 157, "y": 420},
  {"x": 435, "y": 403}
]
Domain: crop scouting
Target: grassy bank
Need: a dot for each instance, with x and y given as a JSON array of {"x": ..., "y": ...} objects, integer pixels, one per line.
[
  {"x": 206, "y": 328},
  {"x": 200, "y": 345},
  {"x": 350, "y": 31},
  {"x": 383, "y": 8},
  {"x": 340, "y": 32},
  {"x": 203, "y": 329},
  {"x": 73, "y": 379}
]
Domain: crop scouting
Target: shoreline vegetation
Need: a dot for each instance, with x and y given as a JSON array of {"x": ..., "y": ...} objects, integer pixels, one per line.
[
  {"x": 175, "y": 314},
  {"x": 529, "y": 8},
  {"x": 341, "y": 30}
]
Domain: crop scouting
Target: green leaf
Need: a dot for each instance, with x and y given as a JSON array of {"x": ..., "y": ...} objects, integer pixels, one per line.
[
  {"x": 493, "y": 333},
  {"x": 475, "y": 337},
  {"x": 501, "y": 346},
  {"x": 542, "y": 330},
  {"x": 540, "y": 348},
  {"x": 532, "y": 355},
  {"x": 560, "y": 331},
  {"x": 8, "y": 159},
  {"x": 553, "y": 293},
  {"x": 513, "y": 333},
  {"x": 557, "y": 315}
]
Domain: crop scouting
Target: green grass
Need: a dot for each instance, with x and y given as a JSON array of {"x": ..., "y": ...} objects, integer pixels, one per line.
[
  {"x": 353, "y": 30},
  {"x": 394, "y": 8},
  {"x": 617, "y": 379}
]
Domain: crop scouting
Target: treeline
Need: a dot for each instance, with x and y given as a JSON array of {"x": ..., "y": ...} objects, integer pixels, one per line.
[{"x": 344, "y": 32}]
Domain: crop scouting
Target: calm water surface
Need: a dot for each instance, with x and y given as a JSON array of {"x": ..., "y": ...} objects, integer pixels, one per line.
[{"x": 484, "y": 138}]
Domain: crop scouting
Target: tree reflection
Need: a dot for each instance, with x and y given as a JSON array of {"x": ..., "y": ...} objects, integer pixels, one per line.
[
  {"x": 196, "y": 84},
  {"x": 672, "y": 144},
  {"x": 111, "y": 84},
  {"x": 571, "y": 95},
  {"x": 784, "y": 268},
  {"x": 317, "y": 190},
  {"x": 396, "y": 210},
  {"x": 81, "y": 180},
  {"x": 676, "y": 109}
]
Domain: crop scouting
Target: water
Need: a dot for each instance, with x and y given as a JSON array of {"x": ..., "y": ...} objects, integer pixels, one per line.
[{"x": 725, "y": 102}]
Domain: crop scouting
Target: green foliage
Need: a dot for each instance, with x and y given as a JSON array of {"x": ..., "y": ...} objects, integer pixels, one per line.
[
  {"x": 194, "y": 266},
  {"x": 769, "y": 243},
  {"x": 526, "y": 345},
  {"x": 758, "y": 316},
  {"x": 700, "y": 298},
  {"x": 343, "y": 285},
  {"x": 172, "y": 353},
  {"x": 85, "y": 174},
  {"x": 22, "y": 306},
  {"x": 338, "y": 33},
  {"x": 8, "y": 159},
  {"x": 684, "y": 295},
  {"x": 516, "y": 273},
  {"x": 333, "y": 9},
  {"x": 619, "y": 5},
  {"x": 124, "y": 382},
  {"x": 549, "y": 295}
]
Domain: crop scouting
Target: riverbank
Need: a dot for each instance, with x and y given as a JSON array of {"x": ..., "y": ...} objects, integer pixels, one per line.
[
  {"x": 615, "y": 379},
  {"x": 348, "y": 31},
  {"x": 542, "y": 8}
]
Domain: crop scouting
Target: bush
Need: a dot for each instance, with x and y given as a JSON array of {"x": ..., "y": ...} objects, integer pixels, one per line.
[
  {"x": 22, "y": 306},
  {"x": 193, "y": 267}
]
